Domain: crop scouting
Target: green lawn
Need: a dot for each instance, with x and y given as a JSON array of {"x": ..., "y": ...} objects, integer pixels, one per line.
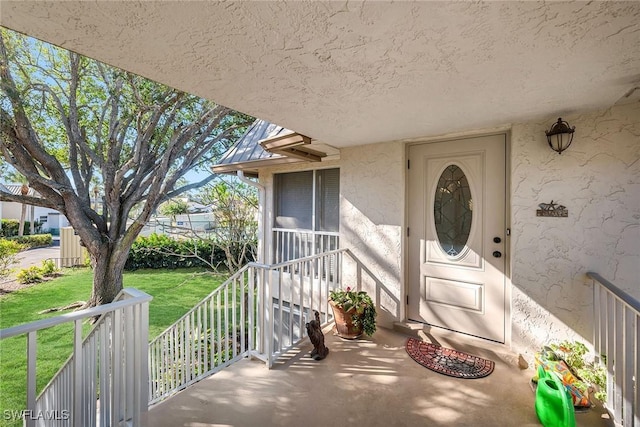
[{"x": 174, "y": 293}]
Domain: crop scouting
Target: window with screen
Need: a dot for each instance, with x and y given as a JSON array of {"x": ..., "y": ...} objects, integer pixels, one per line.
[
  {"x": 307, "y": 213},
  {"x": 308, "y": 200},
  {"x": 294, "y": 199}
]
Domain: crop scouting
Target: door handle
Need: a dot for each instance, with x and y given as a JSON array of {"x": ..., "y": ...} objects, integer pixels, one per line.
[{"x": 497, "y": 254}]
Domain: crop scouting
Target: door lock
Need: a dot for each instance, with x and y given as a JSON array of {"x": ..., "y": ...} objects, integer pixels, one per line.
[
  {"x": 497, "y": 254},
  {"x": 497, "y": 240}
]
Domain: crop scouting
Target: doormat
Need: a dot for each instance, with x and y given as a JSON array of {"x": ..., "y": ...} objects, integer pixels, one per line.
[{"x": 447, "y": 361}]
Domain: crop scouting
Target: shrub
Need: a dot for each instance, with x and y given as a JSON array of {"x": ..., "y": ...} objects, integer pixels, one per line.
[
  {"x": 10, "y": 227},
  {"x": 35, "y": 274},
  {"x": 8, "y": 251},
  {"x": 31, "y": 274},
  {"x": 48, "y": 268},
  {"x": 161, "y": 251},
  {"x": 34, "y": 241}
]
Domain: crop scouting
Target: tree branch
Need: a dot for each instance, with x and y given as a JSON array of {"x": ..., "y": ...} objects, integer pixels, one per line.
[{"x": 27, "y": 200}]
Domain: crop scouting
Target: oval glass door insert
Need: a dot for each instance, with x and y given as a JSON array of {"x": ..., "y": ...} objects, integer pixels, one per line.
[{"x": 453, "y": 210}]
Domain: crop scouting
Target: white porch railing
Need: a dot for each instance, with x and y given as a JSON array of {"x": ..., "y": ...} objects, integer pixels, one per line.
[
  {"x": 617, "y": 336},
  {"x": 296, "y": 289},
  {"x": 289, "y": 244},
  {"x": 219, "y": 330},
  {"x": 104, "y": 382},
  {"x": 260, "y": 311}
]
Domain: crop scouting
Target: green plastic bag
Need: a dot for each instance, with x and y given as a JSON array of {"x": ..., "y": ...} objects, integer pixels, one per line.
[{"x": 554, "y": 406}]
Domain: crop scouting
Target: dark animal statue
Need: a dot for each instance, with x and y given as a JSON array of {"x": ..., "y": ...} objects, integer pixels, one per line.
[{"x": 316, "y": 337}]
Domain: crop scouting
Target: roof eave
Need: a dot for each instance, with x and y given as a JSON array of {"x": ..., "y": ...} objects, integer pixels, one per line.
[{"x": 252, "y": 168}]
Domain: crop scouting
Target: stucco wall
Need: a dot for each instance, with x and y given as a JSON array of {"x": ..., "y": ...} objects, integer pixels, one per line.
[
  {"x": 598, "y": 180},
  {"x": 372, "y": 213}
]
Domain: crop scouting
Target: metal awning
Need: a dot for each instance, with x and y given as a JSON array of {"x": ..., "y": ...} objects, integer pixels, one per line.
[{"x": 266, "y": 144}]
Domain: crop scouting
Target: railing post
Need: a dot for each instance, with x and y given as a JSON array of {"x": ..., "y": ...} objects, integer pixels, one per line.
[
  {"x": 339, "y": 267},
  {"x": 227, "y": 337},
  {"x": 234, "y": 319},
  {"x": 116, "y": 366},
  {"x": 610, "y": 344},
  {"x": 30, "y": 421},
  {"x": 618, "y": 357},
  {"x": 268, "y": 313},
  {"x": 636, "y": 367},
  {"x": 280, "y": 290},
  {"x": 251, "y": 310},
  {"x": 628, "y": 367},
  {"x": 129, "y": 363},
  {"x": 301, "y": 276},
  {"x": 241, "y": 327},
  {"x": 597, "y": 313},
  {"x": 106, "y": 349},
  {"x": 142, "y": 363},
  {"x": 77, "y": 373}
]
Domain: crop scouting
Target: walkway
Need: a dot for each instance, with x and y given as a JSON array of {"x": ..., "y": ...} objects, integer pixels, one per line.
[{"x": 27, "y": 259}]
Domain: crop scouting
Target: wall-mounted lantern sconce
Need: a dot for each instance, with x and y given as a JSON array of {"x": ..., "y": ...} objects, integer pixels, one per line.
[{"x": 560, "y": 136}]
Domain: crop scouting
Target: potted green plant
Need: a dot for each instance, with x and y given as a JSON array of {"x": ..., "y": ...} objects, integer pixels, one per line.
[
  {"x": 353, "y": 312},
  {"x": 592, "y": 375}
]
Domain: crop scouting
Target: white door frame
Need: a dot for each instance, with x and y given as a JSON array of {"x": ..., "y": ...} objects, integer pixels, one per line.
[{"x": 506, "y": 130}]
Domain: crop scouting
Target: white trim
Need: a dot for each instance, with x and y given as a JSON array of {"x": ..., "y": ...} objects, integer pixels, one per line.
[{"x": 473, "y": 133}]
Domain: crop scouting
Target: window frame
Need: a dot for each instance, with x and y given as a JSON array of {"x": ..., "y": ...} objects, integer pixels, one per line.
[{"x": 314, "y": 217}]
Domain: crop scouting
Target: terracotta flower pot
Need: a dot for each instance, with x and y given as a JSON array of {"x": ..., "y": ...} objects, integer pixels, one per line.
[{"x": 344, "y": 323}]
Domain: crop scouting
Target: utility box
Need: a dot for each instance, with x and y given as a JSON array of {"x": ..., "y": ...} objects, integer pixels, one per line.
[{"x": 72, "y": 253}]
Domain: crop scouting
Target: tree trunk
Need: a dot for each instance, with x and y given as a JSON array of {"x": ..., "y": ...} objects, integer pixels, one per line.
[
  {"x": 24, "y": 190},
  {"x": 23, "y": 215},
  {"x": 108, "y": 266},
  {"x": 32, "y": 225}
]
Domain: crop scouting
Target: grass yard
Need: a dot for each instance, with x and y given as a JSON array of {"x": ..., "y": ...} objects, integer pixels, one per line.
[{"x": 174, "y": 293}]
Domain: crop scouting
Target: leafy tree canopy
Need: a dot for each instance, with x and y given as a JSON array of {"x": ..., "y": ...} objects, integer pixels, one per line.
[
  {"x": 174, "y": 207},
  {"x": 70, "y": 124}
]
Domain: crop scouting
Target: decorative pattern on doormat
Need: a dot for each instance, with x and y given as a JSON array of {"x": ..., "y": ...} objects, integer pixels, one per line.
[{"x": 447, "y": 361}]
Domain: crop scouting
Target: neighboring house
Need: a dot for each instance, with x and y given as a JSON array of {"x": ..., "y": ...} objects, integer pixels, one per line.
[
  {"x": 198, "y": 221},
  {"x": 449, "y": 225},
  {"x": 186, "y": 225},
  {"x": 51, "y": 221}
]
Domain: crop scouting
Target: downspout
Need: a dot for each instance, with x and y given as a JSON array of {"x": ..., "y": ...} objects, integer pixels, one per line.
[{"x": 261, "y": 214}]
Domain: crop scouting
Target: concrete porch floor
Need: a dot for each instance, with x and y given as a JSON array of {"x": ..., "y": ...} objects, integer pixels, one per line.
[{"x": 367, "y": 382}]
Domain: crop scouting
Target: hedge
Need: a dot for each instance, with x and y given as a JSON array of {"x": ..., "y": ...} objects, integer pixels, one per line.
[
  {"x": 34, "y": 241},
  {"x": 156, "y": 251}
]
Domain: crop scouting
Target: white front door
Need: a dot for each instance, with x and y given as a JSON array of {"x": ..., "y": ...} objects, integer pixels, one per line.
[{"x": 457, "y": 235}]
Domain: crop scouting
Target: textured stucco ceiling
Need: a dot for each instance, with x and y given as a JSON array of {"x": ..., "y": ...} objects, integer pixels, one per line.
[{"x": 350, "y": 73}]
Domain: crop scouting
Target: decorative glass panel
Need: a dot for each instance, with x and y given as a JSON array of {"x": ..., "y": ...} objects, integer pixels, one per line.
[{"x": 453, "y": 210}]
